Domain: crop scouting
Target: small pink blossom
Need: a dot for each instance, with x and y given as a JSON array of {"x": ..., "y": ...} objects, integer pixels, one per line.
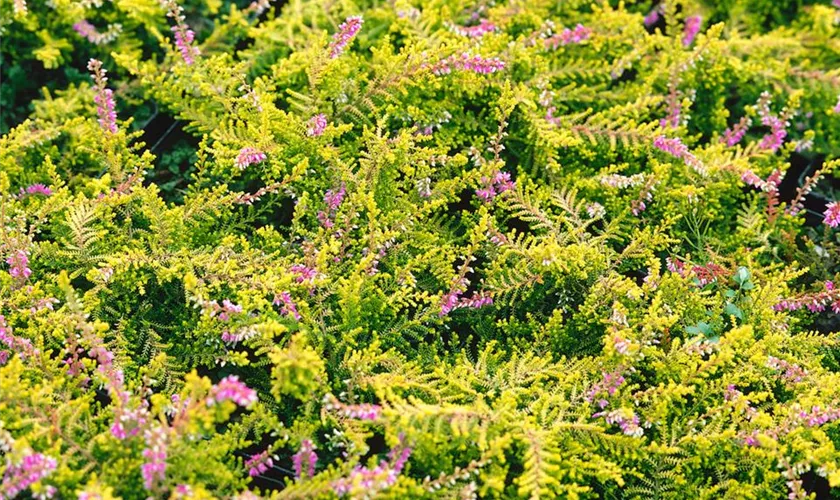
[
  {"x": 733, "y": 136},
  {"x": 155, "y": 453},
  {"x": 653, "y": 16},
  {"x": 259, "y": 464},
  {"x": 249, "y": 156},
  {"x": 104, "y": 98},
  {"x": 18, "y": 263},
  {"x": 467, "y": 62},
  {"x": 305, "y": 456},
  {"x": 34, "y": 189},
  {"x": 692, "y": 27},
  {"x": 346, "y": 33},
  {"x": 317, "y": 125},
  {"x": 21, "y": 475},
  {"x": 569, "y": 36},
  {"x": 478, "y": 31},
  {"x": 676, "y": 148},
  {"x": 832, "y": 214},
  {"x": 287, "y": 305},
  {"x": 231, "y": 389}
]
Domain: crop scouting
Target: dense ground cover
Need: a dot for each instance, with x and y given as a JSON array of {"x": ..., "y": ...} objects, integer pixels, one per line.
[{"x": 406, "y": 249}]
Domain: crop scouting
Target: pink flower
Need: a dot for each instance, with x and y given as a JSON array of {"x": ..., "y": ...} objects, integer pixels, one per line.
[
  {"x": 692, "y": 27},
  {"x": 578, "y": 35},
  {"x": 231, "y": 389},
  {"x": 184, "y": 36},
  {"x": 249, "y": 156},
  {"x": 837, "y": 106},
  {"x": 675, "y": 147},
  {"x": 155, "y": 453},
  {"x": 778, "y": 125},
  {"x": 20, "y": 476},
  {"x": 372, "y": 480},
  {"x": 18, "y": 263},
  {"x": 306, "y": 455},
  {"x": 733, "y": 136},
  {"x": 89, "y": 32},
  {"x": 287, "y": 305},
  {"x": 104, "y": 98},
  {"x": 482, "y": 29},
  {"x": 259, "y": 464},
  {"x": 304, "y": 273},
  {"x": 653, "y": 16},
  {"x": 36, "y": 189},
  {"x": 832, "y": 214},
  {"x": 467, "y": 62},
  {"x": 317, "y": 125},
  {"x": 346, "y": 33}
]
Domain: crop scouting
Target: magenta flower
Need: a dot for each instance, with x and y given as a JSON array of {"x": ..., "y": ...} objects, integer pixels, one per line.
[
  {"x": 155, "y": 453},
  {"x": 20, "y": 476},
  {"x": 249, "y": 156},
  {"x": 778, "y": 124},
  {"x": 259, "y": 464},
  {"x": 287, "y": 305},
  {"x": 184, "y": 36},
  {"x": 837, "y": 106},
  {"x": 231, "y": 389},
  {"x": 478, "y": 31},
  {"x": 304, "y": 273},
  {"x": 346, "y": 33},
  {"x": 676, "y": 148},
  {"x": 18, "y": 263},
  {"x": 306, "y": 455},
  {"x": 36, "y": 189},
  {"x": 733, "y": 136},
  {"x": 653, "y": 16},
  {"x": 104, "y": 98},
  {"x": 88, "y": 31},
  {"x": 467, "y": 62},
  {"x": 317, "y": 125},
  {"x": 832, "y": 214},
  {"x": 692, "y": 27},
  {"x": 569, "y": 36},
  {"x": 379, "y": 478}
]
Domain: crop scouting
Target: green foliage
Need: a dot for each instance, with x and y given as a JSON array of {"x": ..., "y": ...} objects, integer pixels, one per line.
[{"x": 469, "y": 251}]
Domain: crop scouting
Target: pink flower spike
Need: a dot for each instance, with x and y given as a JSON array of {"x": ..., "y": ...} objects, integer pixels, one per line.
[
  {"x": 104, "y": 98},
  {"x": 832, "y": 214},
  {"x": 21, "y": 475},
  {"x": 692, "y": 27},
  {"x": 317, "y": 125},
  {"x": 231, "y": 389},
  {"x": 346, "y": 33},
  {"x": 306, "y": 456},
  {"x": 249, "y": 156}
]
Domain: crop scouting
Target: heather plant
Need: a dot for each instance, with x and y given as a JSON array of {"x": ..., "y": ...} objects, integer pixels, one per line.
[{"x": 579, "y": 249}]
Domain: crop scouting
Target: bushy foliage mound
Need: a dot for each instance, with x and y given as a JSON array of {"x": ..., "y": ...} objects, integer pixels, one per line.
[{"x": 419, "y": 249}]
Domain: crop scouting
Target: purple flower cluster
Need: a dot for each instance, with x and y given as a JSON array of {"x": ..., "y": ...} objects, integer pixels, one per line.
[
  {"x": 17, "y": 344},
  {"x": 104, "y": 98},
  {"x": 629, "y": 425},
  {"x": 814, "y": 302},
  {"x": 259, "y": 463},
  {"x": 364, "y": 411},
  {"x": 231, "y": 389},
  {"x": 346, "y": 33},
  {"x": 653, "y": 16},
  {"x": 453, "y": 300},
  {"x": 305, "y": 456},
  {"x": 733, "y": 135},
  {"x": 792, "y": 372},
  {"x": 569, "y": 36},
  {"x": 831, "y": 216},
  {"x": 249, "y": 156},
  {"x": 477, "y": 31},
  {"x": 676, "y": 148},
  {"x": 34, "y": 189},
  {"x": 304, "y": 273},
  {"x": 607, "y": 387},
  {"x": 692, "y": 27},
  {"x": 153, "y": 469},
  {"x": 184, "y": 36},
  {"x": 287, "y": 305},
  {"x": 778, "y": 124},
  {"x": 377, "y": 479},
  {"x": 467, "y": 62},
  {"x": 18, "y": 263},
  {"x": 491, "y": 187},
  {"x": 333, "y": 199},
  {"x": 20, "y": 476},
  {"x": 317, "y": 125},
  {"x": 88, "y": 31}
]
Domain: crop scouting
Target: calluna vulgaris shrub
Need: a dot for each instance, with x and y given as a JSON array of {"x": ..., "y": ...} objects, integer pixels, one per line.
[{"x": 420, "y": 249}]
